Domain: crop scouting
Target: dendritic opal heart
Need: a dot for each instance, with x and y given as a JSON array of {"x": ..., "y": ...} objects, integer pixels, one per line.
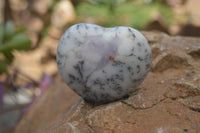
[{"x": 103, "y": 64}]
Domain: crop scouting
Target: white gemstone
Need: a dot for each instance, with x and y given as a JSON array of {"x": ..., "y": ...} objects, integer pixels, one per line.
[{"x": 103, "y": 64}]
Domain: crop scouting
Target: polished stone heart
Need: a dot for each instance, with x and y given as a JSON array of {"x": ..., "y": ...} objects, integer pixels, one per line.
[{"x": 103, "y": 64}]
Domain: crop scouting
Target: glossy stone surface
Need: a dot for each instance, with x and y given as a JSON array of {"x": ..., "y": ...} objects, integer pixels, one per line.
[{"x": 103, "y": 64}]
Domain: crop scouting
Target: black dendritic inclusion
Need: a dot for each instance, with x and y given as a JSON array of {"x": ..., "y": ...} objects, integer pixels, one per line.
[
  {"x": 138, "y": 68},
  {"x": 73, "y": 79},
  {"x": 59, "y": 58},
  {"x": 59, "y": 55},
  {"x": 77, "y": 27},
  {"x": 131, "y": 33},
  {"x": 132, "y": 52},
  {"x": 139, "y": 44},
  {"x": 110, "y": 82},
  {"x": 118, "y": 63},
  {"x": 147, "y": 66},
  {"x": 86, "y": 27},
  {"x": 140, "y": 59},
  {"x": 130, "y": 70},
  {"x": 79, "y": 68},
  {"x": 59, "y": 62}
]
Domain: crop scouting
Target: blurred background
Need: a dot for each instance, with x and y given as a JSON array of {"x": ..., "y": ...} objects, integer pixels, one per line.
[{"x": 30, "y": 31}]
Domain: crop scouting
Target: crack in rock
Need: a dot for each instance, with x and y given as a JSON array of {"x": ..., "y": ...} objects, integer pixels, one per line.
[{"x": 139, "y": 108}]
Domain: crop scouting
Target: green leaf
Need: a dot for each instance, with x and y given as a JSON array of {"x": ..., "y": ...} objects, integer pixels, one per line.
[
  {"x": 1, "y": 33},
  {"x": 2, "y": 67},
  {"x": 8, "y": 56},
  {"x": 9, "y": 30},
  {"x": 18, "y": 42},
  {"x": 20, "y": 30}
]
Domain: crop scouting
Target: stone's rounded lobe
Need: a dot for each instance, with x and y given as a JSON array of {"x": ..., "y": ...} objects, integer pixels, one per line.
[{"x": 103, "y": 64}]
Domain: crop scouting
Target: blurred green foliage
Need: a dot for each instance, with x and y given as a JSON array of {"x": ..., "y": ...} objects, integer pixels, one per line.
[
  {"x": 122, "y": 12},
  {"x": 11, "y": 39}
]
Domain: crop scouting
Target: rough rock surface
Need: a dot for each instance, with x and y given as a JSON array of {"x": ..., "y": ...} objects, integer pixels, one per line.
[{"x": 168, "y": 101}]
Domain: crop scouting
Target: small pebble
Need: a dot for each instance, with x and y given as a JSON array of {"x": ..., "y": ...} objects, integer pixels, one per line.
[{"x": 189, "y": 74}]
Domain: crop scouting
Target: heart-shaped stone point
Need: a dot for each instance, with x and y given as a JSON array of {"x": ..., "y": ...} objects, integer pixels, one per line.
[{"x": 103, "y": 64}]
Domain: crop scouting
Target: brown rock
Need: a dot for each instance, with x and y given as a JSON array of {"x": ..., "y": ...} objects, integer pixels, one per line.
[
  {"x": 63, "y": 14},
  {"x": 195, "y": 53},
  {"x": 41, "y": 6},
  {"x": 35, "y": 25},
  {"x": 166, "y": 102},
  {"x": 191, "y": 102},
  {"x": 190, "y": 30},
  {"x": 54, "y": 32},
  {"x": 157, "y": 23},
  {"x": 168, "y": 60},
  {"x": 49, "y": 107},
  {"x": 183, "y": 89}
]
